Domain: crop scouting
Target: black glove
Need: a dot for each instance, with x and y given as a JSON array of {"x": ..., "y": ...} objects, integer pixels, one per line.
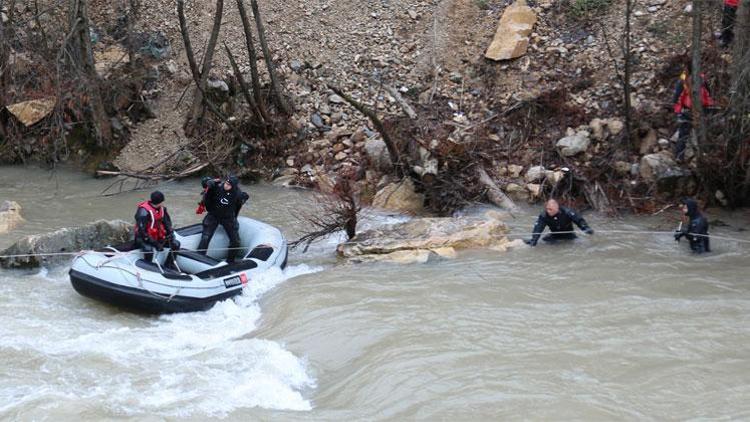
[
  {"x": 204, "y": 181},
  {"x": 589, "y": 231},
  {"x": 159, "y": 246},
  {"x": 678, "y": 235},
  {"x": 530, "y": 242}
]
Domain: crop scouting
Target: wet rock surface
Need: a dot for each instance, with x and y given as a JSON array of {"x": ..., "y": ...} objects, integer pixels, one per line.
[
  {"x": 420, "y": 239},
  {"x": 94, "y": 235}
]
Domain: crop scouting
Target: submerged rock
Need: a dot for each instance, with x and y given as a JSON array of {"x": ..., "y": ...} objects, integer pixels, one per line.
[
  {"x": 94, "y": 235},
  {"x": 420, "y": 239},
  {"x": 10, "y": 216}
]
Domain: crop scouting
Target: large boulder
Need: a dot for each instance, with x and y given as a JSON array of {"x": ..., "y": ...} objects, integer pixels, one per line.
[
  {"x": 653, "y": 166},
  {"x": 378, "y": 153},
  {"x": 574, "y": 144},
  {"x": 419, "y": 239},
  {"x": 108, "y": 59},
  {"x": 669, "y": 178},
  {"x": 400, "y": 196},
  {"x": 10, "y": 216},
  {"x": 535, "y": 174},
  {"x": 94, "y": 235},
  {"x": 512, "y": 36},
  {"x": 31, "y": 112}
]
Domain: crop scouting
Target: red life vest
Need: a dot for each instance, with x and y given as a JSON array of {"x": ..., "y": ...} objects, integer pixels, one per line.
[
  {"x": 155, "y": 229},
  {"x": 731, "y": 3},
  {"x": 686, "y": 97}
]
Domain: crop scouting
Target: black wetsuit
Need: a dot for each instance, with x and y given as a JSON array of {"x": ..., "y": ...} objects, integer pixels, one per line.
[
  {"x": 697, "y": 229},
  {"x": 223, "y": 207},
  {"x": 561, "y": 226},
  {"x": 145, "y": 242}
]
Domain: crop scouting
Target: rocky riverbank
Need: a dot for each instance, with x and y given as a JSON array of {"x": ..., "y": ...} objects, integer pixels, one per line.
[{"x": 550, "y": 107}]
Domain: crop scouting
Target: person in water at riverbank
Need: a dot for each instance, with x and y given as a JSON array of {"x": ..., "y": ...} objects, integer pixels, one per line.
[
  {"x": 223, "y": 200},
  {"x": 560, "y": 222},
  {"x": 696, "y": 229},
  {"x": 153, "y": 227}
]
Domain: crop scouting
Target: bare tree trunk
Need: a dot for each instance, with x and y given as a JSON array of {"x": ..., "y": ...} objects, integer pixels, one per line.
[
  {"x": 252, "y": 55},
  {"x": 132, "y": 8},
  {"x": 196, "y": 74},
  {"x": 275, "y": 86},
  {"x": 186, "y": 40},
  {"x": 11, "y": 19},
  {"x": 4, "y": 70},
  {"x": 699, "y": 128},
  {"x": 389, "y": 143},
  {"x": 627, "y": 53},
  {"x": 42, "y": 34},
  {"x": 82, "y": 40},
  {"x": 738, "y": 127},
  {"x": 243, "y": 86},
  {"x": 196, "y": 113}
]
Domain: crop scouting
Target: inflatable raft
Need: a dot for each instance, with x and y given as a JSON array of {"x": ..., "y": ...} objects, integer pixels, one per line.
[{"x": 195, "y": 282}]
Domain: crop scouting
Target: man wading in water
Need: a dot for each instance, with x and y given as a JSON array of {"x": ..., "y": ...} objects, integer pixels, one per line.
[
  {"x": 696, "y": 229},
  {"x": 560, "y": 222}
]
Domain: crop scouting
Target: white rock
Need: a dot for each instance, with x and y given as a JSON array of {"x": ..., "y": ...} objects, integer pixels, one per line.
[
  {"x": 572, "y": 145},
  {"x": 335, "y": 99},
  {"x": 515, "y": 170},
  {"x": 534, "y": 174},
  {"x": 535, "y": 189}
]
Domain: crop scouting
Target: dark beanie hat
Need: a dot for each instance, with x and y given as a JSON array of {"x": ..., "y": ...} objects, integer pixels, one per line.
[{"x": 157, "y": 197}]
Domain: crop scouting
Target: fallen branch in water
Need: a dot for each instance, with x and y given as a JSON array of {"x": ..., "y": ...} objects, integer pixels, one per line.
[{"x": 337, "y": 211}]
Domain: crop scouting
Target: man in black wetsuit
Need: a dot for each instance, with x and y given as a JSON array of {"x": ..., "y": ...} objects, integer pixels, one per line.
[
  {"x": 696, "y": 230},
  {"x": 223, "y": 200},
  {"x": 560, "y": 222},
  {"x": 153, "y": 227}
]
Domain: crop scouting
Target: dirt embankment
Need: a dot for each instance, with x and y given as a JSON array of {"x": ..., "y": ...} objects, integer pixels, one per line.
[{"x": 432, "y": 53}]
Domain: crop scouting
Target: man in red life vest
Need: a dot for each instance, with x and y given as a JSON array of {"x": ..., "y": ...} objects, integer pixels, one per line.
[
  {"x": 727, "y": 22},
  {"x": 683, "y": 102},
  {"x": 153, "y": 226}
]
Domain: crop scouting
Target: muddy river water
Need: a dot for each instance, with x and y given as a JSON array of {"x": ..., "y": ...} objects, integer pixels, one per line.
[{"x": 614, "y": 326}]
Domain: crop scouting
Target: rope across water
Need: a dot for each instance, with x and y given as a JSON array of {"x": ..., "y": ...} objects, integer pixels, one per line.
[{"x": 510, "y": 234}]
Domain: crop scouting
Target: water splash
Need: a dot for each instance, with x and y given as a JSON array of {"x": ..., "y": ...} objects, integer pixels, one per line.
[{"x": 201, "y": 364}]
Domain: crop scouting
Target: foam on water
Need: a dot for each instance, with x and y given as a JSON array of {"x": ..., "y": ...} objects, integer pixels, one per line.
[{"x": 195, "y": 364}]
